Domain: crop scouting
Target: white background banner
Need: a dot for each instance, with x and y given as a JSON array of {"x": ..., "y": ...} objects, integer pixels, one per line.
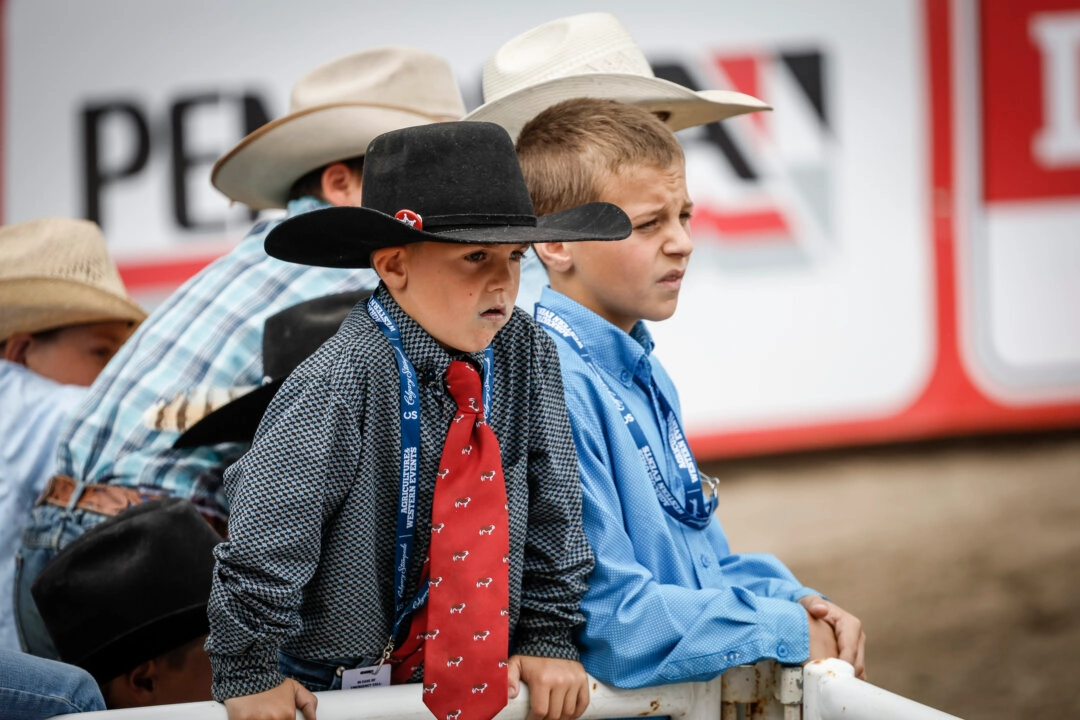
[{"x": 858, "y": 276}]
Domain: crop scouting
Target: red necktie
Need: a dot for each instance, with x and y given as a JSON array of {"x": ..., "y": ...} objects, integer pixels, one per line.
[{"x": 467, "y": 640}]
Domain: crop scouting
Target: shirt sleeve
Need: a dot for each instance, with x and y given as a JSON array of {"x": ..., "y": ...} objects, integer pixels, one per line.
[
  {"x": 282, "y": 492},
  {"x": 760, "y": 573},
  {"x": 557, "y": 555},
  {"x": 764, "y": 575},
  {"x": 44, "y": 413},
  {"x": 641, "y": 632}
]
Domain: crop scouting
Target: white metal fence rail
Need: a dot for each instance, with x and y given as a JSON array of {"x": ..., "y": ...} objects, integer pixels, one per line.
[{"x": 822, "y": 690}]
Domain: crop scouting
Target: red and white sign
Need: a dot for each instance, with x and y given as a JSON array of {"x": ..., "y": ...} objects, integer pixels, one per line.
[{"x": 892, "y": 253}]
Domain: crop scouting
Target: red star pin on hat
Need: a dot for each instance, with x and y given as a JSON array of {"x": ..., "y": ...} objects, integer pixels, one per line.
[{"x": 410, "y": 218}]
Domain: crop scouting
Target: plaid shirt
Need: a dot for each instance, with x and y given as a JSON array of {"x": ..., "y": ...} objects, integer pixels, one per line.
[
  {"x": 207, "y": 333},
  {"x": 309, "y": 565}
]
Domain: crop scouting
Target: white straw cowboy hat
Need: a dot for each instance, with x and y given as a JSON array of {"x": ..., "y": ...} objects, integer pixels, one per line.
[
  {"x": 334, "y": 112},
  {"x": 591, "y": 55},
  {"x": 56, "y": 272}
]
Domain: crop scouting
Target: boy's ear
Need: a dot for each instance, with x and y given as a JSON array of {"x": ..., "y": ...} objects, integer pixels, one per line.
[
  {"x": 16, "y": 347},
  {"x": 135, "y": 688},
  {"x": 555, "y": 256},
  {"x": 392, "y": 266},
  {"x": 340, "y": 185}
]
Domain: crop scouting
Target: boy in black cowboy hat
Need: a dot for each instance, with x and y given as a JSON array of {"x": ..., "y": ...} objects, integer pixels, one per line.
[{"x": 410, "y": 506}]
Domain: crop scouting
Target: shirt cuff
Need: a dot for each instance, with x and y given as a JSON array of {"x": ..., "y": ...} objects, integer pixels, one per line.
[
  {"x": 555, "y": 644},
  {"x": 249, "y": 674},
  {"x": 804, "y": 591}
]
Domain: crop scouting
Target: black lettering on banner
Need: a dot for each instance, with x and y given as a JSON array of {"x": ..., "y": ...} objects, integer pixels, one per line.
[
  {"x": 96, "y": 177},
  {"x": 137, "y": 150},
  {"x": 184, "y": 160}
]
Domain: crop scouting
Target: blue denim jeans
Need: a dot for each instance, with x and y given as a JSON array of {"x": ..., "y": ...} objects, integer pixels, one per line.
[
  {"x": 315, "y": 675},
  {"x": 32, "y": 688},
  {"x": 50, "y": 529}
]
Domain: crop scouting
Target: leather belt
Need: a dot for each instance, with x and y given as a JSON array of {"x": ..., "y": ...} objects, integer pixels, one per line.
[{"x": 102, "y": 499}]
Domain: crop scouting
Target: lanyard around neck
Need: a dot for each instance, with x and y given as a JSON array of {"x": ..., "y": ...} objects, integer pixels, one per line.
[
  {"x": 697, "y": 512},
  {"x": 410, "y": 457}
]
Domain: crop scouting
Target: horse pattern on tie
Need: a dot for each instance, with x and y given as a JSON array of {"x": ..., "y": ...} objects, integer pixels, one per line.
[{"x": 466, "y": 642}]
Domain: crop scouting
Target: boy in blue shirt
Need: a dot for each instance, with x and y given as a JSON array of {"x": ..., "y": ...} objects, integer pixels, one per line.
[{"x": 667, "y": 601}]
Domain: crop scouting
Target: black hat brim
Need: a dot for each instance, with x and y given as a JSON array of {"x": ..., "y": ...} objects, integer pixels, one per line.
[{"x": 345, "y": 237}]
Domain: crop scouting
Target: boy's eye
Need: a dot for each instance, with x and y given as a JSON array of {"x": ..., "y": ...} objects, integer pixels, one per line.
[
  {"x": 517, "y": 255},
  {"x": 477, "y": 256},
  {"x": 645, "y": 225},
  {"x": 685, "y": 217}
]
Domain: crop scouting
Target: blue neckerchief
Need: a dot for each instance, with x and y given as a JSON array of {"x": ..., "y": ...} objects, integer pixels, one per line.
[
  {"x": 700, "y": 510},
  {"x": 410, "y": 459}
]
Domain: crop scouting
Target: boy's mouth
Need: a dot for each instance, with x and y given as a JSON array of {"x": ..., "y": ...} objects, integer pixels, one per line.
[
  {"x": 497, "y": 312},
  {"x": 673, "y": 278}
]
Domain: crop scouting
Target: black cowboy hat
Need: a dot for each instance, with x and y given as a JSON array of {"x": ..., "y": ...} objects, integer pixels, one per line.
[
  {"x": 130, "y": 589},
  {"x": 452, "y": 182},
  {"x": 289, "y": 337}
]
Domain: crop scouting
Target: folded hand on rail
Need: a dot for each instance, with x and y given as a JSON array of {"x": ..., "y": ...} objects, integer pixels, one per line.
[
  {"x": 847, "y": 629},
  {"x": 280, "y": 703},
  {"x": 558, "y": 689}
]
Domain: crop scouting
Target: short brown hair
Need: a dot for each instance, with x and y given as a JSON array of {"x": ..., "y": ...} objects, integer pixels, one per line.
[{"x": 566, "y": 151}]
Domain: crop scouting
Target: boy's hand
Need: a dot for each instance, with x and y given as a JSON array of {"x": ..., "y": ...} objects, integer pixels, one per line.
[
  {"x": 850, "y": 638},
  {"x": 280, "y": 703},
  {"x": 822, "y": 639},
  {"x": 558, "y": 689}
]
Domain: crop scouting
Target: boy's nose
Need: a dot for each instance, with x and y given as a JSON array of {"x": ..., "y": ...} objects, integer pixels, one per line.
[
  {"x": 678, "y": 241},
  {"x": 503, "y": 275}
]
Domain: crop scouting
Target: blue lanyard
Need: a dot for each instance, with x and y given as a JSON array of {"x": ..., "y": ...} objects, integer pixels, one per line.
[
  {"x": 700, "y": 510},
  {"x": 410, "y": 459}
]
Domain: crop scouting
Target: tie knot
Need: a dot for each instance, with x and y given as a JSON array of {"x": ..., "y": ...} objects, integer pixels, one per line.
[{"x": 463, "y": 384}]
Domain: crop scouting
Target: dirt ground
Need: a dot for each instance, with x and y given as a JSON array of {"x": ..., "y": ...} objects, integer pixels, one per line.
[{"x": 962, "y": 559}]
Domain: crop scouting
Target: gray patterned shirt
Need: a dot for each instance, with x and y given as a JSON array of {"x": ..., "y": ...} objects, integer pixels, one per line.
[{"x": 309, "y": 565}]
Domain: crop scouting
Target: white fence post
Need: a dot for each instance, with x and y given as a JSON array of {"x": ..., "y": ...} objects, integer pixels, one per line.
[
  {"x": 831, "y": 691},
  {"x": 763, "y": 691}
]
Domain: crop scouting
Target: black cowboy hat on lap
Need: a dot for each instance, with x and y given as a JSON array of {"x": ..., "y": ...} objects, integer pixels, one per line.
[
  {"x": 130, "y": 589},
  {"x": 453, "y": 182}
]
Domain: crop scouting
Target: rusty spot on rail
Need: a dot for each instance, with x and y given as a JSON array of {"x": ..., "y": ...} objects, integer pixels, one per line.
[
  {"x": 595, "y": 687},
  {"x": 654, "y": 705}
]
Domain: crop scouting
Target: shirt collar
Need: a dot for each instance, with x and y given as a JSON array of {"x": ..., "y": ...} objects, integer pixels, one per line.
[
  {"x": 610, "y": 348},
  {"x": 304, "y": 204},
  {"x": 428, "y": 357}
]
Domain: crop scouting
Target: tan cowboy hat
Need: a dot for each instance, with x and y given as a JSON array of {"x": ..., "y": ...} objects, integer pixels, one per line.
[
  {"x": 56, "y": 272},
  {"x": 334, "y": 112},
  {"x": 591, "y": 55}
]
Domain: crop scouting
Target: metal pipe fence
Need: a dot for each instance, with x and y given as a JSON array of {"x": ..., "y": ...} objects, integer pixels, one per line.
[{"x": 821, "y": 690}]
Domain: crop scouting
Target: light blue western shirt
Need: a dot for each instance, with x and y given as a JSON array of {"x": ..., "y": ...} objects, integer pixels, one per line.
[
  {"x": 666, "y": 603},
  {"x": 35, "y": 410}
]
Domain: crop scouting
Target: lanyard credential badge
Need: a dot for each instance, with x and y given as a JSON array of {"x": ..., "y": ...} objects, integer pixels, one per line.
[
  {"x": 698, "y": 510},
  {"x": 410, "y": 460}
]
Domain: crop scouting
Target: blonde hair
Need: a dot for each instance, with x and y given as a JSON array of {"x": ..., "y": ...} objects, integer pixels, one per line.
[{"x": 568, "y": 151}]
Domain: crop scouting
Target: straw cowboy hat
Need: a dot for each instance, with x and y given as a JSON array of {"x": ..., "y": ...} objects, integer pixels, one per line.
[
  {"x": 591, "y": 55},
  {"x": 334, "y": 112},
  {"x": 454, "y": 182},
  {"x": 56, "y": 272}
]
